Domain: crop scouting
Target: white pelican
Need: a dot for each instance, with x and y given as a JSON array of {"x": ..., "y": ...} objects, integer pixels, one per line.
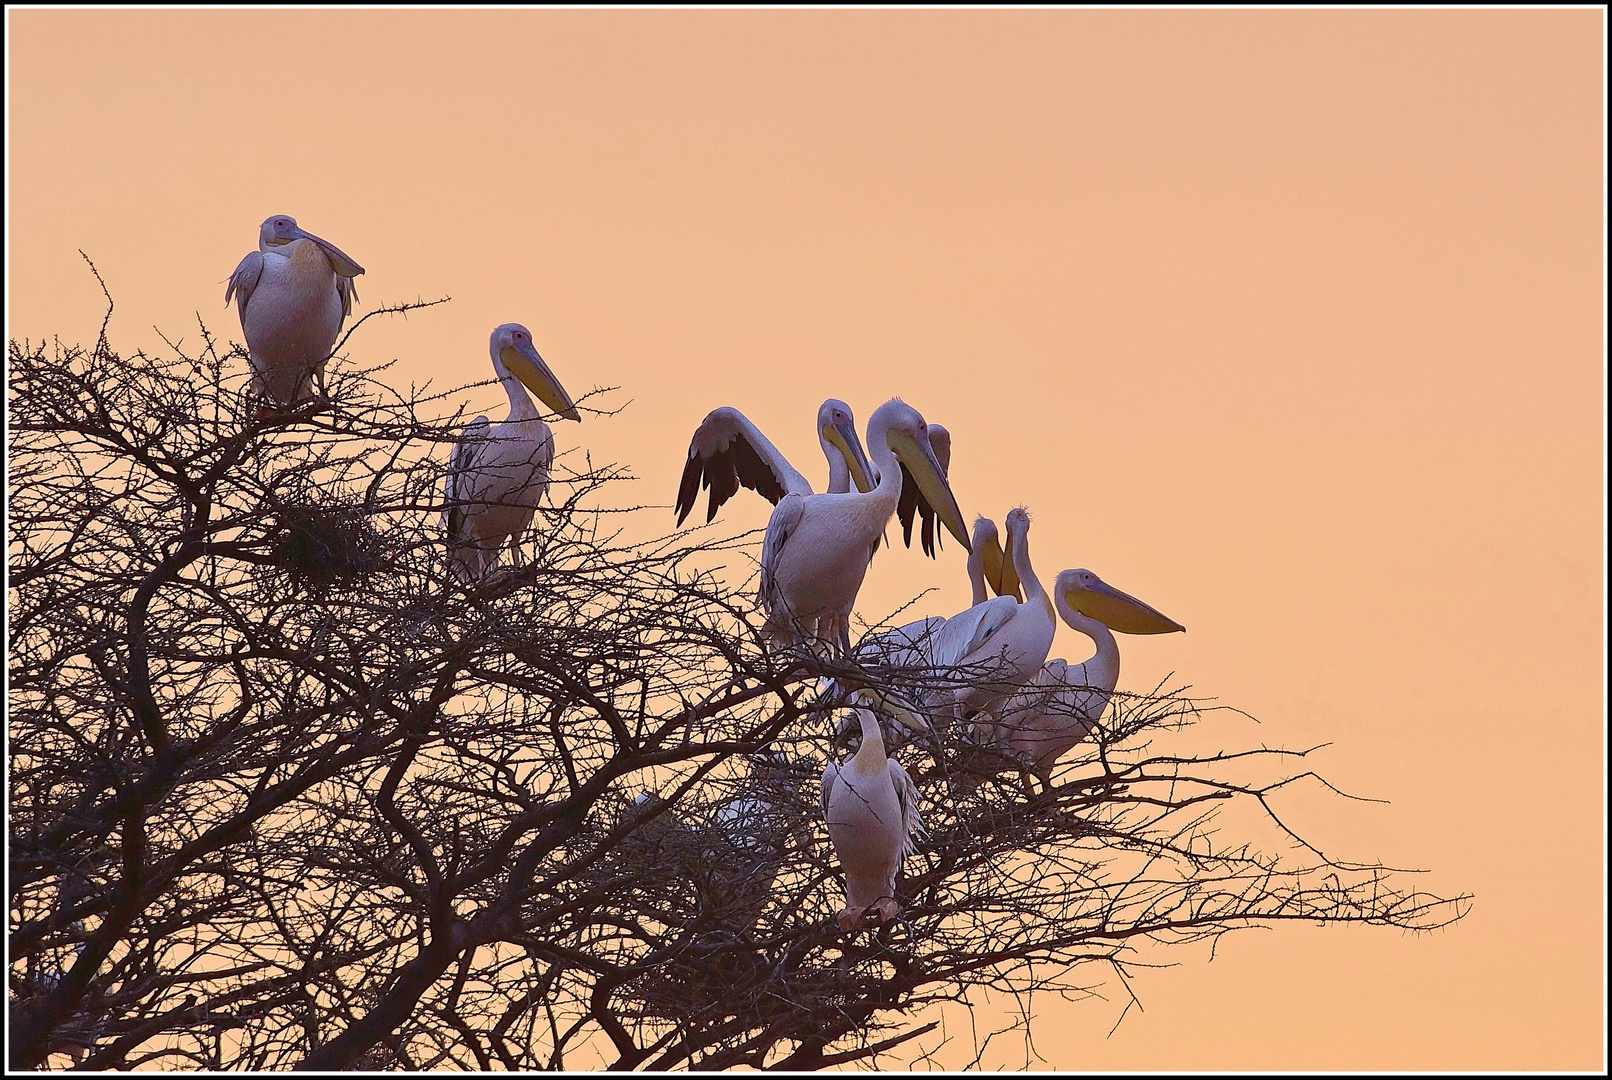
[
  {"x": 727, "y": 450},
  {"x": 871, "y": 806},
  {"x": 499, "y": 473},
  {"x": 817, "y": 547},
  {"x": 908, "y": 648},
  {"x": 1001, "y": 634},
  {"x": 1053, "y": 714},
  {"x": 292, "y": 293},
  {"x": 988, "y": 566}
]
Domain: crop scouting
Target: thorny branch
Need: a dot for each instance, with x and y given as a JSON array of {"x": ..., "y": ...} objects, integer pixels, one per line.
[{"x": 285, "y": 794}]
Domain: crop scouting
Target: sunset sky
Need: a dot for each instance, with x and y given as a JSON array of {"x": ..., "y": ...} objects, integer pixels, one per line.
[{"x": 1288, "y": 323}]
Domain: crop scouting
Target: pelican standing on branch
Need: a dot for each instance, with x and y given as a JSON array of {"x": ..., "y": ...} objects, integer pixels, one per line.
[
  {"x": 499, "y": 473},
  {"x": 1006, "y": 639},
  {"x": 727, "y": 450},
  {"x": 293, "y": 293},
  {"x": 818, "y": 547},
  {"x": 906, "y": 652},
  {"x": 1061, "y": 707},
  {"x": 871, "y": 806}
]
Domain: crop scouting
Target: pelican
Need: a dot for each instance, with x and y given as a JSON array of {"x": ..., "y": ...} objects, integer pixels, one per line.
[
  {"x": 1009, "y": 636},
  {"x": 293, "y": 293},
  {"x": 498, "y": 474},
  {"x": 817, "y": 547},
  {"x": 871, "y": 806},
  {"x": 906, "y": 651},
  {"x": 727, "y": 450},
  {"x": 988, "y": 566},
  {"x": 1059, "y": 709}
]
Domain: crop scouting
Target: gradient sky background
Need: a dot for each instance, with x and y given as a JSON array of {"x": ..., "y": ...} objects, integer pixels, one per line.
[{"x": 1289, "y": 323}]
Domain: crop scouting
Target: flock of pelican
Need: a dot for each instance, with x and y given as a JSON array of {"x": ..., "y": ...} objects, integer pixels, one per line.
[{"x": 296, "y": 290}]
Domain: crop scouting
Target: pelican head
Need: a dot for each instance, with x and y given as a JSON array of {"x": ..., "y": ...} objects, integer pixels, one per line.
[
  {"x": 997, "y": 568},
  {"x": 515, "y": 355},
  {"x": 837, "y": 428},
  {"x": 281, "y": 229},
  {"x": 1090, "y": 595},
  {"x": 903, "y": 430}
]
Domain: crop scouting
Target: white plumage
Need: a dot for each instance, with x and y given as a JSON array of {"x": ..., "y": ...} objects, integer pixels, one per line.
[
  {"x": 500, "y": 471},
  {"x": 818, "y": 547},
  {"x": 871, "y": 806},
  {"x": 293, "y": 294},
  {"x": 1060, "y": 707}
]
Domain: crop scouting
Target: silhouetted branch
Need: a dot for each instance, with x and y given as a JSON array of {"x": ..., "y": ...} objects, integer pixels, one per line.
[{"x": 286, "y": 794}]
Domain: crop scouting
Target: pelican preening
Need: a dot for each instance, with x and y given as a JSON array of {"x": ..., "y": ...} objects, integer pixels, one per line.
[
  {"x": 817, "y": 547},
  {"x": 871, "y": 806},
  {"x": 1061, "y": 707},
  {"x": 499, "y": 472},
  {"x": 293, "y": 293}
]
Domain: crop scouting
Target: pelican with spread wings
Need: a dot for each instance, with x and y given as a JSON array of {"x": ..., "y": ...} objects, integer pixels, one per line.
[
  {"x": 293, "y": 294},
  {"x": 728, "y": 451},
  {"x": 499, "y": 472}
]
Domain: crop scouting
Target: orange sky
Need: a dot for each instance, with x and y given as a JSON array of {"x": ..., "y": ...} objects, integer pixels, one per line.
[{"x": 1288, "y": 323}]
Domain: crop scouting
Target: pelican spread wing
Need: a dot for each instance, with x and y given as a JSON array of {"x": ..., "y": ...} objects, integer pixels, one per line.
[{"x": 728, "y": 451}]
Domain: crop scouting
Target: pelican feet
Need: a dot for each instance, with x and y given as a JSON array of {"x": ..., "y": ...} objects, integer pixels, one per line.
[{"x": 883, "y": 910}]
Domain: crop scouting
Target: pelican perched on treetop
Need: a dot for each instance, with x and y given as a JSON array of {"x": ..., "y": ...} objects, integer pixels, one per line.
[
  {"x": 871, "y": 806},
  {"x": 817, "y": 547},
  {"x": 907, "y": 651},
  {"x": 727, "y": 450},
  {"x": 499, "y": 473},
  {"x": 293, "y": 293},
  {"x": 1007, "y": 639},
  {"x": 1055, "y": 712},
  {"x": 988, "y": 566}
]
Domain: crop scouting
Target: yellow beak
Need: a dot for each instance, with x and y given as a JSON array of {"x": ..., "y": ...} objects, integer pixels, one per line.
[{"x": 527, "y": 366}]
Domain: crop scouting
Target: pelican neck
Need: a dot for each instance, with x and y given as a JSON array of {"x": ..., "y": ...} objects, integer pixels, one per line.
[
  {"x": 1101, "y": 635},
  {"x": 1020, "y": 554},
  {"x": 871, "y": 752}
]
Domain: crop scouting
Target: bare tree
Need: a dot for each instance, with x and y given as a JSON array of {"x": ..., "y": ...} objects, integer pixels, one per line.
[{"x": 285, "y": 793}]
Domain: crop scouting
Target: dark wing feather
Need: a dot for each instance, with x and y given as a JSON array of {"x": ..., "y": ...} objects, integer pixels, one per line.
[
  {"x": 459, "y": 468},
  {"x": 753, "y": 473},
  {"x": 689, "y": 488},
  {"x": 722, "y": 479},
  {"x": 912, "y": 501},
  {"x": 722, "y": 458}
]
